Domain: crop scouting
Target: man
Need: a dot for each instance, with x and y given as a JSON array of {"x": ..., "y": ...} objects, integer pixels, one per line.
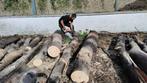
[{"x": 66, "y": 26}]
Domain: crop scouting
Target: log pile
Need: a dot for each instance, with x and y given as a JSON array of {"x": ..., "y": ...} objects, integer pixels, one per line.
[
  {"x": 132, "y": 56},
  {"x": 41, "y": 59}
]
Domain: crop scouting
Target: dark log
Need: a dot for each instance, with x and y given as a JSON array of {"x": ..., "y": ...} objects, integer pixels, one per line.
[
  {"x": 89, "y": 48},
  {"x": 138, "y": 56},
  {"x": 145, "y": 40},
  {"x": 20, "y": 62},
  {"x": 35, "y": 41},
  {"x": 126, "y": 61},
  {"x": 55, "y": 49},
  {"x": 8, "y": 40},
  {"x": 61, "y": 65},
  {"x": 142, "y": 45},
  {"x": 9, "y": 58},
  {"x": 20, "y": 42}
]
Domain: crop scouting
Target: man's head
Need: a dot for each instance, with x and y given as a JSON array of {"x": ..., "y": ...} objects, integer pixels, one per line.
[{"x": 73, "y": 16}]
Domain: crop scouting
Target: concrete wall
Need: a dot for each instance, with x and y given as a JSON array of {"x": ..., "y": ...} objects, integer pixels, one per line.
[{"x": 46, "y": 25}]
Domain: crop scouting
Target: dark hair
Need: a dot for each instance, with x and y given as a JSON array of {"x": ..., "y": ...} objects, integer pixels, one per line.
[{"x": 74, "y": 15}]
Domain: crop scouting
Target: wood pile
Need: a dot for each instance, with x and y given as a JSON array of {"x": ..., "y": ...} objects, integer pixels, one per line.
[{"x": 48, "y": 59}]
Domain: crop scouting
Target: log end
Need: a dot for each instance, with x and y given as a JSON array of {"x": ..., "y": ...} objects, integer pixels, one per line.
[
  {"x": 53, "y": 51},
  {"x": 37, "y": 62},
  {"x": 28, "y": 48},
  {"x": 79, "y": 77}
]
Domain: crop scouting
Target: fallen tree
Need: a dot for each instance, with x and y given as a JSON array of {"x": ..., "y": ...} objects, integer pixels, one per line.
[
  {"x": 38, "y": 59},
  {"x": 9, "y": 58},
  {"x": 20, "y": 62},
  {"x": 127, "y": 64},
  {"x": 35, "y": 41},
  {"x": 82, "y": 64},
  {"x": 54, "y": 49},
  {"x": 141, "y": 44},
  {"x": 63, "y": 62},
  {"x": 8, "y": 40},
  {"x": 138, "y": 56}
]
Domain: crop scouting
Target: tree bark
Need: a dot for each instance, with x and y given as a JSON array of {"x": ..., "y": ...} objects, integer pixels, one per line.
[
  {"x": 38, "y": 59},
  {"x": 63, "y": 62},
  {"x": 2, "y": 53},
  {"x": 142, "y": 45},
  {"x": 138, "y": 56},
  {"x": 27, "y": 41},
  {"x": 81, "y": 72},
  {"x": 55, "y": 49},
  {"x": 126, "y": 62},
  {"x": 8, "y": 40},
  {"x": 20, "y": 62},
  {"x": 35, "y": 41},
  {"x": 9, "y": 58}
]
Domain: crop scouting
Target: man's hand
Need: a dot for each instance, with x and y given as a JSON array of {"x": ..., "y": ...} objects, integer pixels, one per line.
[{"x": 67, "y": 29}]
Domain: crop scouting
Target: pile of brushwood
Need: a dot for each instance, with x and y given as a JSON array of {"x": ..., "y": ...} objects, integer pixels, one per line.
[{"x": 83, "y": 59}]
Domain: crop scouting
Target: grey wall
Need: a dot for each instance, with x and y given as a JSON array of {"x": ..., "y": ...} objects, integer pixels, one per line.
[{"x": 45, "y": 25}]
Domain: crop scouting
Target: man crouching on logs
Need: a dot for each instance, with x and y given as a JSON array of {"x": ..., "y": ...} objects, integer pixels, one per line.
[{"x": 66, "y": 26}]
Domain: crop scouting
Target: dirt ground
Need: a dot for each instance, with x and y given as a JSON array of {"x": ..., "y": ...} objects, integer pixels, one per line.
[{"x": 102, "y": 69}]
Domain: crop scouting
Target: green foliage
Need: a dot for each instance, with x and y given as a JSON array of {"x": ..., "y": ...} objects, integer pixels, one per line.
[
  {"x": 82, "y": 35},
  {"x": 77, "y": 3},
  {"x": 59, "y": 4},
  {"x": 42, "y": 4},
  {"x": 80, "y": 3},
  {"x": 14, "y": 5}
]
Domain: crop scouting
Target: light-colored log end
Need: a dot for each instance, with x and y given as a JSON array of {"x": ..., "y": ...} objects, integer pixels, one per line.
[
  {"x": 53, "y": 51},
  {"x": 79, "y": 77},
  {"x": 28, "y": 48},
  {"x": 37, "y": 62}
]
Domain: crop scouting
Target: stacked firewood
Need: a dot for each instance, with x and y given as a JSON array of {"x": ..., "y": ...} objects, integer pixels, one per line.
[{"x": 130, "y": 53}]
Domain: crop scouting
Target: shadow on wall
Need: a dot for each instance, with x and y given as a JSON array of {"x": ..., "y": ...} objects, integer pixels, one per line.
[{"x": 137, "y": 5}]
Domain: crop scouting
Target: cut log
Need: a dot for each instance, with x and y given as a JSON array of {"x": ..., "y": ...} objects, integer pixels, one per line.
[
  {"x": 27, "y": 41},
  {"x": 38, "y": 59},
  {"x": 55, "y": 49},
  {"x": 20, "y": 62},
  {"x": 2, "y": 53},
  {"x": 35, "y": 41},
  {"x": 8, "y": 40},
  {"x": 138, "y": 56},
  {"x": 126, "y": 62},
  {"x": 81, "y": 72},
  {"x": 10, "y": 48},
  {"x": 63, "y": 62},
  {"x": 20, "y": 42},
  {"x": 142, "y": 45},
  {"x": 9, "y": 58}
]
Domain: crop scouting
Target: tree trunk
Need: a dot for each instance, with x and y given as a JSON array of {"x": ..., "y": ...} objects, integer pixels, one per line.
[
  {"x": 35, "y": 41},
  {"x": 126, "y": 62},
  {"x": 142, "y": 45},
  {"x": 55, "y": 49},
  {"x": 27, "y": 41},
  {"x": 81, "y": 72},
  {"x": 8, "y": 40},
  {"x": 9, "y": 58},
  {"x": 38, "y": 59},
  {"x": 20, "y": 62},
  {"x": 63, "y": 62},
  {"x": 138, "y": 56},
  {"x": 2, "y": 53}
]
